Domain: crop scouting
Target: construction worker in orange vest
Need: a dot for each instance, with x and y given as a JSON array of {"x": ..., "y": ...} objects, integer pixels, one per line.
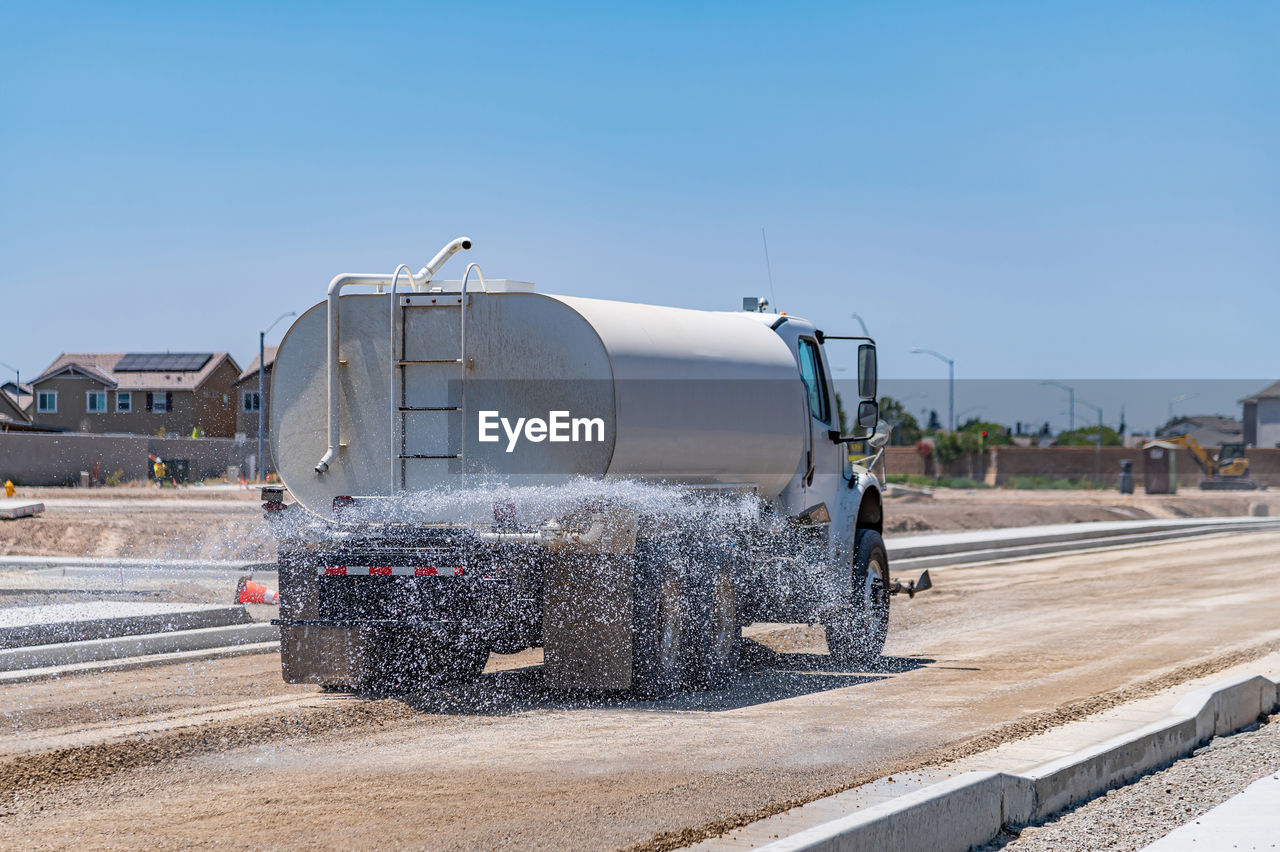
[{"x": 160, "y": 470}]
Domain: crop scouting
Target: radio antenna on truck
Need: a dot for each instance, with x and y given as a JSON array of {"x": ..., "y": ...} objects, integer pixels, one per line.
[{"x": 773, "y": 297}]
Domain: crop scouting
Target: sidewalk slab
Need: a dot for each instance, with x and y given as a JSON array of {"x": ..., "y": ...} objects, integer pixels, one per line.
[{"x": 1248, "y": 820}]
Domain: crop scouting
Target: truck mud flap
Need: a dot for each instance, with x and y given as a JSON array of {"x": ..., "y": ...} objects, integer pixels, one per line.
[
  {"x": 328, "y": 654},
  {"x": 586, "y": 628}
]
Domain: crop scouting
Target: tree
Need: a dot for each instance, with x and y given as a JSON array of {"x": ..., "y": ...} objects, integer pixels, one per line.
[
  {"x": 946, "y": 448},
  {"x": 934, "y": 423},
  {"x": 906, "y": 429},
  {"x": 997, "y": 435},
  {"x": 1088, "y": 437}
]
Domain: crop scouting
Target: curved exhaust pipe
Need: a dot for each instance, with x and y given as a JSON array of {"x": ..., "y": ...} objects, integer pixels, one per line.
[{"x": 421, "y": 277}]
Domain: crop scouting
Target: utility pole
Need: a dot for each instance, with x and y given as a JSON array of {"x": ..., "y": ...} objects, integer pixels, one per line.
[
  {"x": 1071, "y": 403},
  {"x": 1097, "y": 455}
]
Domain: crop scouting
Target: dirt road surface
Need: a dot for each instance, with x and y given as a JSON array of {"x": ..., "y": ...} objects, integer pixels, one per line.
[
  {"x": 222, "y": 754},
  {"x": 209, "y": 523}
]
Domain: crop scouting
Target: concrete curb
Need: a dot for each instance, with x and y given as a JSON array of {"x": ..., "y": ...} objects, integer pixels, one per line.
[
  {"x": 110, "y": 626},
  {"x": 970, "y": 809},
  {"x": 1055, "y": 548},
  {"x": 44, "y": 656},
  {"x": 937, "y": 544},
  {"x": 37, "y": 562},
  {"x": 129, "y": 663}
]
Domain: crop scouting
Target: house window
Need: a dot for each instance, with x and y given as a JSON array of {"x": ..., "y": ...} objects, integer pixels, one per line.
[
  {"x": 47, "y": 402},
  {"x": 124, "y": 401},
  {"x": 252, "y": 402},
  {"x": 95, "y": 402},
  {"x": 158, "y": 402}
]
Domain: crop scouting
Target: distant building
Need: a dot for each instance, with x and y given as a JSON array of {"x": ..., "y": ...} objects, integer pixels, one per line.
[
  {"x": 1262, "y": 417},
  {"x": 20, "y": 393},
  {"x": 1208, "y": 430},
  {"x": 140, "y": 393},
  {"x": 248, "y": 402},
  {"x": 12, "y": 416}
]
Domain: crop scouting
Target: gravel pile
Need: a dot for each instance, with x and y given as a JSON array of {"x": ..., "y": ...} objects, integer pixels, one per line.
[{"x": 1139, "y": 814}]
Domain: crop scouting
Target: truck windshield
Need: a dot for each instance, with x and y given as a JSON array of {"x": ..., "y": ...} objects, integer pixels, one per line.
[{"x": 811, "y": 373}]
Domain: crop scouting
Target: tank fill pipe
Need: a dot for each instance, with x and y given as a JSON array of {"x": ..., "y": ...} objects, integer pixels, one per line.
[{"x": 368, "y": 280}]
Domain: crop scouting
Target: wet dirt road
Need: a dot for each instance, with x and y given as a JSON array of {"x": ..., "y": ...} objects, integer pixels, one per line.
[{"x": 221, "y": 753}]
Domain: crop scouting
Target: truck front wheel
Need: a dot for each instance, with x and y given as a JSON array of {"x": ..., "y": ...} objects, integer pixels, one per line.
[{"x": 856, "y": 636}]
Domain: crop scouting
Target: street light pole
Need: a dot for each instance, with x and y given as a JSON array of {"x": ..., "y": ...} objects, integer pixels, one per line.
[
  {"x": 865, "y": 333},
  {"x": 1071, "y": 403},
  {"x": 951, "y": 382},
  {"x": 262, "y": 399},
  {"x": 1097, "y": 455},
  {"x": 1176, "y": 400}
]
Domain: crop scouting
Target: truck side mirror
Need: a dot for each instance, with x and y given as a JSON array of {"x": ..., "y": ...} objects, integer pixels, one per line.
[
  {"x": 867, "y": 375},
  {"x": 868, "y": 415}
]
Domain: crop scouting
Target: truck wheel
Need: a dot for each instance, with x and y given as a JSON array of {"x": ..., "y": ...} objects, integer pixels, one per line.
[
  {"x": 715, "y": 631},
  {"x": 659, "y": 622},
  {"x": 857, "y": 635}
]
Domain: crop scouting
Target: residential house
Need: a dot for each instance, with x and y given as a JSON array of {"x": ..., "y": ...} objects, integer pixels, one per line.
[
  {"x": 13, "y": 417},
  {"x": 140, "y": 393},
  {"x": 1262, "y": 417},
  {"x": 1208, "y": 430},
  {"x": 249, "y": 403},
  {"x": 21, "y": 393}
]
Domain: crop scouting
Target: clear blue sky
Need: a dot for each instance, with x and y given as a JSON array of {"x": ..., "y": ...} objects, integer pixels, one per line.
[{"x": 1038, "y": 190}]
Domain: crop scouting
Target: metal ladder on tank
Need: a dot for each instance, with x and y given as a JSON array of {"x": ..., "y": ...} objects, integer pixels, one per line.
[{"x": 400, "y": 409}]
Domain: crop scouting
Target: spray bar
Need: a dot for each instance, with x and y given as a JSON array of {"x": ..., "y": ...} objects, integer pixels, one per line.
[{"x": 420, "y": 278}]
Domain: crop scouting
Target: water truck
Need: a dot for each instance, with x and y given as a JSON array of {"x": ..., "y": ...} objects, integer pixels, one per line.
[{"x": 472, "y": 466}]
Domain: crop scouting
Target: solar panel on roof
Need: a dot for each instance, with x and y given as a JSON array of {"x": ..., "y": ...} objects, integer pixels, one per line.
[{"x": 163, "y": 362}]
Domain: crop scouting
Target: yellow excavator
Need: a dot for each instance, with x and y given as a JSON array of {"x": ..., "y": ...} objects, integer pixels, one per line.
[{"x": 1228, "y": 470}]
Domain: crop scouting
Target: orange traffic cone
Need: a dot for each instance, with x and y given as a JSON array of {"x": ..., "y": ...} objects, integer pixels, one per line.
[{"x": 248, "y": 592}]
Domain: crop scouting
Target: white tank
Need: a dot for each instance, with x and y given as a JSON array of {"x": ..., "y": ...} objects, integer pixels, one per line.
[{"x": 652, "y": 393}]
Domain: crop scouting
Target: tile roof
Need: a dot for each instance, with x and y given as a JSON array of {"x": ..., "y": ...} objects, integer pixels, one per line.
[{"x": 101, "y": 365}]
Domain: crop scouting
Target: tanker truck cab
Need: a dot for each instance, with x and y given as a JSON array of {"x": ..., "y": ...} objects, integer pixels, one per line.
[
  {"x": 834, "y": 503},
  {"x": 712, "y": 489}
]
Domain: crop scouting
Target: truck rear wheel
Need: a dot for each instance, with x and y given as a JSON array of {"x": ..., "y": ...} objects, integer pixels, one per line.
[
  {"x": 857, "y": 634},
  {"x": 715, "y": 631},
  {"x": 659, "y": 625}
]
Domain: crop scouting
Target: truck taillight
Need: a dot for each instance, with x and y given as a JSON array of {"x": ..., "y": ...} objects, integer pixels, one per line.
[{"x": 341, "y": 504}]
